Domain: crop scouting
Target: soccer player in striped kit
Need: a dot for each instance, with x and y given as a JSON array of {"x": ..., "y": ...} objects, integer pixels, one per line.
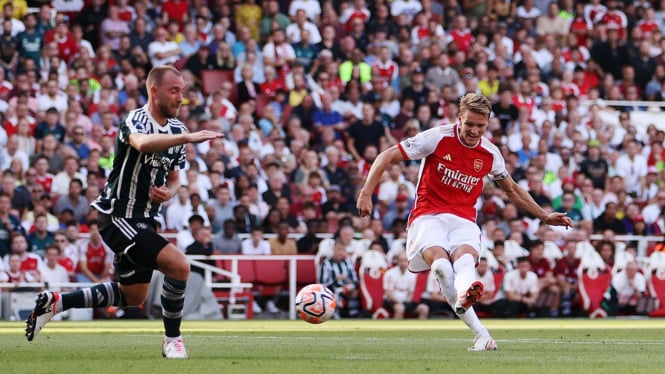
[{"x": 150, "y": 149}]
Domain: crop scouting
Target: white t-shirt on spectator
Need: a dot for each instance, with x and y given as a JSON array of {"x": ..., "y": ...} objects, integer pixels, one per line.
[
  {"x": 56, "y": 275},
  {"x": 631, "y": 171},
  {"x": 522, "y": 286},
  {"x": 294, "y": 35},
  {"x": 58, "y": 102},
  {"x": 312, "y": 8},
  {"x": 157, "y": 47},
  {"x": 410, "y": 8},
  {"x": 248, "y": 247},
  {"x": 401, "y": 284},
  {"x": 624, "y": 286}
]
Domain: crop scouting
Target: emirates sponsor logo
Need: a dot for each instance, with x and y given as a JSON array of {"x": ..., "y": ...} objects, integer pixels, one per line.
[{"x": 456, "y": 179}]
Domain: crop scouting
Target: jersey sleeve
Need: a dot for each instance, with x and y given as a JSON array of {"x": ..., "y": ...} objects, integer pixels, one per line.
[
  {"x": 421, "y": 145},
  {"x": 498, "y": 171},
  {"x": 131, "y": 124},
  {"x": 180, "y": 164}
]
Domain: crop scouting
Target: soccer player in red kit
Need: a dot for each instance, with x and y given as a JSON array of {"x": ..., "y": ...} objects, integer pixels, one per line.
[{"x": 442, "y": 233}]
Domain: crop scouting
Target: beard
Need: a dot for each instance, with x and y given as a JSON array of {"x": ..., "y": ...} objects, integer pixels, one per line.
[{"x": 168, "y": 111}]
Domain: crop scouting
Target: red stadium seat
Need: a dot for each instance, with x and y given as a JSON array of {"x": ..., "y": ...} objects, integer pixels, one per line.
[
  {"x": 246, "y": 271},
  {"x": 421, "y": 285},
  {"x": 656, "y": 286},
  {"x": 212, "y": 80},
  {"x": 371, "y": 293},
  {"x": 592, "y": 286},
  {"x": 305, "y": 272},
  {"x": 271, "y": 276}
]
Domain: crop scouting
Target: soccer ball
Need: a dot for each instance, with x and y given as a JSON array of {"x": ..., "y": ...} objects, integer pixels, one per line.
[{"x": 315, "y": 303}]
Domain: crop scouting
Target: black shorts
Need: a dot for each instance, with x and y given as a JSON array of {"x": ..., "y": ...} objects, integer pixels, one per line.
[
  {"x": 136, "y": 245},
  {"x": 409, "y": 307}
]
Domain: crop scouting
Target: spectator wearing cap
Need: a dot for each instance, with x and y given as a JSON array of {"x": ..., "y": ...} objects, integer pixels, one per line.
[{"x": 594, "y": 166}]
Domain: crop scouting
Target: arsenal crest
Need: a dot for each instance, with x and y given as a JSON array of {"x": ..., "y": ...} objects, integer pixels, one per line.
[{"x": 477, "y": 165}]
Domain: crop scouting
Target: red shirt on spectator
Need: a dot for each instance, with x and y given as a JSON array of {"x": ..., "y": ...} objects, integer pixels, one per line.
[
  {"x": 387, "y": 71},
  {"x": 45, "y": 181},
  {"x": 95, "y": 257},
  {"x": 30, "y": 262},
  {"x": 270, "y": 88},
  {"x": 176, "y": 9},
  {"x": 614, "y": 19},
  {"x": 580, "y": 29},
  {"x": 524, "y": 102},
  {"x": 463, "y": 39},
  {"x": 648, "y": 26},
  {"x": 540, "y": 267},
  {"x": 68, "y": 48},
  {"x": 66, "y": 263},
  {"x": 568, "y": 270}
]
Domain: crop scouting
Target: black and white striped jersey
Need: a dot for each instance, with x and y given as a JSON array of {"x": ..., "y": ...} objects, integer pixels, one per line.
[{"x": 126, "y": 193}]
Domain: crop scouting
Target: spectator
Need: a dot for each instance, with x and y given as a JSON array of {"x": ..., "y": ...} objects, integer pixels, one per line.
[
  {"x": 14, "y": 273},
  {"x": 162, "y": 51},
  {"x": 339, "y": 274},
  {"x": 626, "y": 289},
  {"x": 282, "y": 244},
  {"x": 255, "y": 244},
  {"x": 41, "y": 237},
  {"x": 309, "y": 243},
  {"x": 632, "y": 166},
  {"x": 521, "y": 291},
  {"x": 30, "y": 262},
  {"x": 177, "y": 210},
  {"x": 399, "y": 286},
  {"x": 549, "y": 291},
  {"x": 51, "y": 271},
  {"x": 565, "y": 272},
  {"x": 62, "y": 180},
  {"x": 10, "y": 224},
  {"x": 74, "y": 201},
  {"x": 186, "y": 236},
  {"x": 226, "y": 241},
  {"x": 365, "y": 132},
  {"x": 95, "y": 258},
  {"x": 202, "y": 245}
]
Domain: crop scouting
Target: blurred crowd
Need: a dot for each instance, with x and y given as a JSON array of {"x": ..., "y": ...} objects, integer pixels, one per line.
[{"x": 308, "y": 93}]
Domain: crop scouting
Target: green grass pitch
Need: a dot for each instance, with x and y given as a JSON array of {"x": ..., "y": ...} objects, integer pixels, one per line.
[{"x": 347, "y": 346}]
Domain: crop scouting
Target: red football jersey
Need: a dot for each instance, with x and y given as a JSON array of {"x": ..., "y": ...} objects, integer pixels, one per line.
[
  {"x": 95, "y": 257},
  {"x": 451, "y": 174}
]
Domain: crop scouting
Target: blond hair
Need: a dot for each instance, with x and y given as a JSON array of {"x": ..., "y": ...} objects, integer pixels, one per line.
[{"x": 476, "y": 103}]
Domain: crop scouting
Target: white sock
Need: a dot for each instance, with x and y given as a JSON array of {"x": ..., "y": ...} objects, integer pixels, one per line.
[
  {"x": 443, "y": 270},
  {"x": 465, "y": 273},
  {"x": 471, "y": 319}
]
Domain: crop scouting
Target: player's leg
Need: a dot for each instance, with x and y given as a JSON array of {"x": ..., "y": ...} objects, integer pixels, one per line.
[
  {"x": 469, "y": 289},
  {"x": 173, "y": 263},
  {"x": 102, "y": 295},
  {"x": 157, "y": 253}
]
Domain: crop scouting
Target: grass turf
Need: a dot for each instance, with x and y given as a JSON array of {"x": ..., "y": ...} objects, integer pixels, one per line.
[{"x": 348, "y": 346}]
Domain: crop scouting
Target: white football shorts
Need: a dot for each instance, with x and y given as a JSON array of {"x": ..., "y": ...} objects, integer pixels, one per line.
[{"x": 444, "y": 230}]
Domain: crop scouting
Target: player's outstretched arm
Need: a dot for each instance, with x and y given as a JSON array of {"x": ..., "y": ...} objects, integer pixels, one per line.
[
  {"x": 383, "y": 160},
  {"x": 152, "y": 143},
  {"x": 523, "y": 200}
]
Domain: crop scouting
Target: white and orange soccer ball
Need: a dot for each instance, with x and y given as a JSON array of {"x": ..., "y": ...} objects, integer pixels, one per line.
[{"x": 315, "y": 303}]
